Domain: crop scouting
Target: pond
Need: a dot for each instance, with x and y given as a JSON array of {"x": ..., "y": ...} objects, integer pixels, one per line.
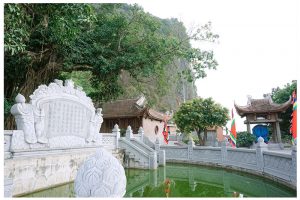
[{"x": 185, "y": 180}]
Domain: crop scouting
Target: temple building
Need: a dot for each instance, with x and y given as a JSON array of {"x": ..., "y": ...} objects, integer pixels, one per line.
[
  {"x": 263, "y": 111},
  {"x": 133, "y": 112}
]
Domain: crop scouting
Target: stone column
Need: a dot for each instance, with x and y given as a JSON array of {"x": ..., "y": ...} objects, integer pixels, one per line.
[
  {"x": 223, "y": 152},
  {"x": 157, "y": 145},
  {"x": 260, "y": 147},
  {"x": 129, "y": 133},
  {"x": 248, "y": 127},
  {"x": 162, "y": 158},
  {"x": 274, "y": 137},
  {"x": 141, "y": 133},
  {"x": 191, "y": 145},
  {"x": 153, "y": 160},
  {"x": 294, "y": 164},
  {"x": 116, "y": 131},
  {"x": 278, "y": 133}
]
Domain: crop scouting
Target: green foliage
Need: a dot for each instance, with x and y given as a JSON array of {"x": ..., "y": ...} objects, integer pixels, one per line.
[
  {"x": 281, "y": 95},
  {"x": 168, "y": 88},
  {"x": 80, "y": 78},
  {"x": 244, "y": 139},
  {"x": 95, "y": 44},
  {"x": 199, "y": 115},
  {"x": 7, "y": 106},
  {"x": 122, "y": 132}
]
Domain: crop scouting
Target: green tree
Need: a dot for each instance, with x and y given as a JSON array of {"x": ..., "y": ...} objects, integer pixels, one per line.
[
  {"x": 244, "y": 139},
  {"x": 99, "y": 41},
  {"x": 281, "y": 95},
  {"x": 199, "y": 115}
]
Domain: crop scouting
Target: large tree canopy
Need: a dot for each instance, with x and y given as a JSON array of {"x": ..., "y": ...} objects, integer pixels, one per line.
[
  {"x": 98, "y": 41},
  {"x": 281, "y": 95},
  {"x": 199, "y": 115}
]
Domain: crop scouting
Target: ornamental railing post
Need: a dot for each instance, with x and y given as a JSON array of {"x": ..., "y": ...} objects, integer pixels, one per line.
[
  {"x": 116, "y": 131},
  {"x": 141, "y": 134},
  {"x": 191, "y": 145},
  {"x": 129, "y": 133},
  {"x": 223, "y": 152},
  {"x": 260, "y": 147}
]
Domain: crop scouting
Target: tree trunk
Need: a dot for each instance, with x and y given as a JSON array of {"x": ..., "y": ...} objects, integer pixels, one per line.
[
  {"x": 45, "y": 70},
  {"x": 205, "y": 137},
  {"x": 201, "y": 141}
]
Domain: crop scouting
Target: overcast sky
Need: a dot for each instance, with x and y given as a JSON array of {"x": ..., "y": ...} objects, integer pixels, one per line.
[{"x": 258, "y": 47}]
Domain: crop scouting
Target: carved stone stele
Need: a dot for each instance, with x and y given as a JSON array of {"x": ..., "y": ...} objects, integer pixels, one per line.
[
  {"x": 57, "y": 116},
  {"x": 101, "y": 175}
]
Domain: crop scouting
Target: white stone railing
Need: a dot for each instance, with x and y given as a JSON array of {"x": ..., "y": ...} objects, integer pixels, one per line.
[
  {"x": 109, "y": 140},
  {"x": 139, "y": 150},
  {"x": 207, "y": 154},
  {"x": 279, "y": 166},
  {"x": 175, "y": 152},
  {"x": 139, "y": 155},
  {"x": 243, "y": 158},
  {"x": 148, "y": 142},
  {"x": 141, "y": 145}
]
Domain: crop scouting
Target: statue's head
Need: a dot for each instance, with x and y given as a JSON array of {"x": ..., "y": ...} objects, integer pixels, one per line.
[
  {"x": 99, "y": 110},
  {"x": 20, "y": 98}
]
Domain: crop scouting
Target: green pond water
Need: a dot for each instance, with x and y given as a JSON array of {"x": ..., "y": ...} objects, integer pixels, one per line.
[{"x": 187, "y": 181}]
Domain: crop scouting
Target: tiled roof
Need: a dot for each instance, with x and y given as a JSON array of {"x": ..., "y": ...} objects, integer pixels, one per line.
[
  {"x": 265, "y": 105},
  {"x": 122, "y": 108},
  {"x": 155, "y": 114},
  {"x": 129, "y": 108}
]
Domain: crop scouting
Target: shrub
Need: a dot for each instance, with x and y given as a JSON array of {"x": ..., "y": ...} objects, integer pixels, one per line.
[
  {"x": 245, "y": 139},
  {"x": 122, "y": 132}
]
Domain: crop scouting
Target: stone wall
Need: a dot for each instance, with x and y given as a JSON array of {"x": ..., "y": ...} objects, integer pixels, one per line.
[
  {"x": 278, "y": 166},
  {"x": 149, "y": 126},
  {"x": 45, "y": 169}
]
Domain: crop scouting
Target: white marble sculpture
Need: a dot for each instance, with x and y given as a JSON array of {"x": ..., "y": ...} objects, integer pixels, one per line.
[
  {"x": 57, "y": 116},
  {"x": 24, "y": 115},
  {"x": 95, "y": 125},
  {"x": 39, "y": 117},
  {"x": 101, "y": 175}
]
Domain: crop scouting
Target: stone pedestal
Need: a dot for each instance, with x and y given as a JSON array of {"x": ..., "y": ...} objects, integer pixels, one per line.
[{"x": 8, "y": 187}]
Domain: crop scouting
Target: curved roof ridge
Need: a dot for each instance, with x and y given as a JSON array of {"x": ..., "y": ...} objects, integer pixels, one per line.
[{"x": 265, "y": 105}]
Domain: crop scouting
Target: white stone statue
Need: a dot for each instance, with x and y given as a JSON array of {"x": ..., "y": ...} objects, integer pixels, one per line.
[
  {"x": 39, "y": 117},
  {"x": 24, "y": 115},
  {"x": 101, "y": 175},
  {"x": 95, "y": 125}
]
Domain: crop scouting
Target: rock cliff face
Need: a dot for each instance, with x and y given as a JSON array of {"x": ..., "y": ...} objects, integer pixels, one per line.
[{"x": 170, "y": 88}]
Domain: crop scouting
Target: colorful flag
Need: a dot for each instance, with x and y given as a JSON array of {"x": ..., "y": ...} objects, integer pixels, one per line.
[
  {"x": 293, "y": 128},
  {"x": 233, "y": 131},
  {"x": 165, "y": 131}
]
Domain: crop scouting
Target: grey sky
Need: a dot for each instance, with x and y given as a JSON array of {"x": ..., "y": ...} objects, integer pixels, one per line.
[{"x": 258, "y": 46}]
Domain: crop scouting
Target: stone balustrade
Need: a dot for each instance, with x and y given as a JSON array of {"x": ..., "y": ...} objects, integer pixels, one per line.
[{"x": 278, "y": 166}]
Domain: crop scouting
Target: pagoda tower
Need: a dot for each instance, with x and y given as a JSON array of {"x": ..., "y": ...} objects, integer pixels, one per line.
[{"x": 264, "y": 111}]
